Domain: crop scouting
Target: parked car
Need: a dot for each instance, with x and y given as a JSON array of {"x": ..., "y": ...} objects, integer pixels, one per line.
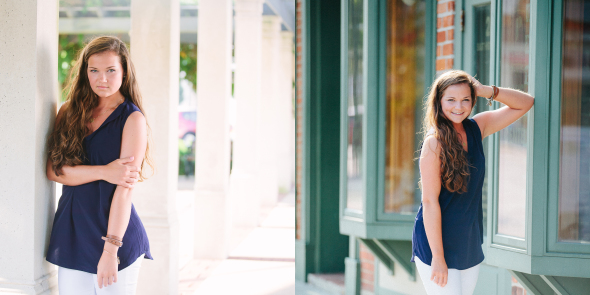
[{"x": 187, "y": 127}]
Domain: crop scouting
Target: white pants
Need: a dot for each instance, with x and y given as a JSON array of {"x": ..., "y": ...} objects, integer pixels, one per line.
[
  {"x": 75, "y": 282},
  {"x": 459, "y": 282}
]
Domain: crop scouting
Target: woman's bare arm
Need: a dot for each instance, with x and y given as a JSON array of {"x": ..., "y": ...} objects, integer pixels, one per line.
[
  {"x": 118, "y": 172},
  {"x": 134, "y": 143},
  {"x": 115, "y": 172},
  {"x": 517, "y": 103},
  {"x": 431, "y": 184}
]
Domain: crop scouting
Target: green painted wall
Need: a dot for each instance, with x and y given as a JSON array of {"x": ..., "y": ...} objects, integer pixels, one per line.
[{"x": 322, "y": 249}]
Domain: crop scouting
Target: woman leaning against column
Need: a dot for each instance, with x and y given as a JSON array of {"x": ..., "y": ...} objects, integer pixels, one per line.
[
  {"x": 98, "y": 150},
  {"x": 448, "y": 230}
]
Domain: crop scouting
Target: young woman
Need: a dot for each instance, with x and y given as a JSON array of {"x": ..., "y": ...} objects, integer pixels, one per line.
[
  {"x": 97, "y": 150},
  {"x": 448, "y": 230}
]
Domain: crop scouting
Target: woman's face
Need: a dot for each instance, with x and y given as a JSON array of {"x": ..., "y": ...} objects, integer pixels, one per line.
[
  {"x": 456, "y": 102},
  {"x": 105, "y": 73}
]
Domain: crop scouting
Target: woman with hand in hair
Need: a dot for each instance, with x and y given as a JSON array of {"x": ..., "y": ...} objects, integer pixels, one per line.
[
  {"x": 97, "y": 150},
  {"x": 448, "y": 229}
]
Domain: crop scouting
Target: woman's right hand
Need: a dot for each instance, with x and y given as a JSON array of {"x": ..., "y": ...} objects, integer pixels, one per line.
[
  {"x": 119, "y": 173},
  {"x": 440, "y": 271}
]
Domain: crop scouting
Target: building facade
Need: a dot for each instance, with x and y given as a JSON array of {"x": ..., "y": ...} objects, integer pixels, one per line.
[{"x": 364, "y": 68}]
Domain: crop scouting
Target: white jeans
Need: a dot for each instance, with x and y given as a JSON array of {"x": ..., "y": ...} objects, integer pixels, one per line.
[
  {"x": 459, "y": 282},
  {"x": 75, "y": 282}
]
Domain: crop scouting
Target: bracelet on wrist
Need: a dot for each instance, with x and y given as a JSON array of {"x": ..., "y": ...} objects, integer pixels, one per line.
[
  {"x": 113, "y": 240},
  {"x": 118, "y": 261},
  {"x": 495, "y": 91}
]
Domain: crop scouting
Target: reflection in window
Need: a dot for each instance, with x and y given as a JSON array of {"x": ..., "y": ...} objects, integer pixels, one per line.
[
  {"x": 513, "y": 139},
  {"x": 574, "y": 176},
  {"x": 355, "y": 106},
  {"x": 405, "y": 89},
  {"x": 482, "y": 17}
]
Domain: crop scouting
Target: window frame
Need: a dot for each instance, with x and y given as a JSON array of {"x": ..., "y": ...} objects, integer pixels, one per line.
[
  {"x": 543, "y": 254},
  {"x": 553, "y": 243},
  {"x": 373, "y": 222}
]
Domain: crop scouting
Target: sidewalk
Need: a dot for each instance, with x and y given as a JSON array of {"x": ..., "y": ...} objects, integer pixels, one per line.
[{"x": 263, "y": 263}]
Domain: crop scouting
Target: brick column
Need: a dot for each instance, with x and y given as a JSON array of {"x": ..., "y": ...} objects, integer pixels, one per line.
[
  {"x": 155, "y": 45},
  {"x": 367, "y": 260},
  {"x": 213, "y": 150},
  {"x": 299, "y": 119},
  {"x": 28, "y": 105},
  {"x": 445, "y": 24}
]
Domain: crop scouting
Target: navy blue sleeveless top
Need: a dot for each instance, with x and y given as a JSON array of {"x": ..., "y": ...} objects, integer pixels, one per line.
[
  {"x": 83, "y": 211},
  {"x": 461, "y": 214}
]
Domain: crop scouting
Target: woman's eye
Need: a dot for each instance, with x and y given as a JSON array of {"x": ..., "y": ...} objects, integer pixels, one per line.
[
  {"x": 111, "y": 70},
  {"x": 93, "y": 71}
]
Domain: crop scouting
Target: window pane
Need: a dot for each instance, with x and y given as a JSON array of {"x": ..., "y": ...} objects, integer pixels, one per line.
[
  {"x": 513, "y": 139},
  {"x": 482, "y": 22},
  {"x": 574, "y": 176},
  {"x": 355, "y": 105},
  {"x": 405, "y": 89}
]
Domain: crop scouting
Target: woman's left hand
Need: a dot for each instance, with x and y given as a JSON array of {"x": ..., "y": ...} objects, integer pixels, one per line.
[
  {"x": 480, "y": 89},
  {"x": 107, "y": 270}
]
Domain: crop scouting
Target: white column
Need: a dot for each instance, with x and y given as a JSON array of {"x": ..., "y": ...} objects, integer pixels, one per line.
[
  {"x": 212, "y": 218},
  {"x": 28, "y": 105},
  {"x": 286, "y": 117},
  {"x": 269, "y": 140},
  {"x": 155, "y": 41},
  {"x": 245, "y": 179}
]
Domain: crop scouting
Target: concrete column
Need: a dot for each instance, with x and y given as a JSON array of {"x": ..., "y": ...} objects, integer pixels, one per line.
[
  {"x": 269, "y": 135},
  {"x": 212, "y": 218},
  {"x": 245, "y": 179},
  {"x": 286, "y": 117},
  {"x": 28, "y": 105},
  {"x": 155, "y": 41}
]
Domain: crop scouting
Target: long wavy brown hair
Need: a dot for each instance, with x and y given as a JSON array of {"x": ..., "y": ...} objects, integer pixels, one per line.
[
  {"x": 454, "y": 167},
  {"x": 65, "y": 144}
]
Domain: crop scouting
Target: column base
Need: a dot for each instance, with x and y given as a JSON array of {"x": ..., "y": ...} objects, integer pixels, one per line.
[
  {"x": 46, "y": 285},
  {"x": 160, "y": 276},
  {"x": 245, "y": 199},
  {"x": 212, "y": 224}
]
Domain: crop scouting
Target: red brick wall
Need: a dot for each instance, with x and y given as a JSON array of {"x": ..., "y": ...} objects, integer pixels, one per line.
[
  {"x": 299, "y": 114},
  {"x": 367, "y": 268},
  {"x": 445, "y": 24}
]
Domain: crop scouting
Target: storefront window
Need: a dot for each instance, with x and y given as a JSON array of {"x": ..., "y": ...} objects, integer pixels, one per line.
[
  {"x": 482, "y": 21},
  {"x": 355, "y": 106},
  {"x": 513, "y": 139},
  {"x": 405, "y": 90},
  {"x": 574, "y": 176}
]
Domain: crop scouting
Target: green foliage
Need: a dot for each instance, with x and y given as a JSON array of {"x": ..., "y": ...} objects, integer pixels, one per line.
[
  {"x": 188, "y": 63},
  {"x": 93, "y": 3},
  {"x": 186, "y": 158},
  {"x": 69, "y": 46}
]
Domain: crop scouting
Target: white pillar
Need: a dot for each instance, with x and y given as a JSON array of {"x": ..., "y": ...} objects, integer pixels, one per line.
[
  {"x": 155, "y": 41},
  {"x": 245, "y": 179},
  {"x": 269, "y": 135},
  {"x": 28, "y": 105},
  {"x": 286, "y": 117},
  {"x": 212, "y": 218}
]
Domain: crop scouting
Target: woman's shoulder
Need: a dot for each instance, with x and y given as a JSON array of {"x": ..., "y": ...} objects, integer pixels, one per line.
[{"x": 130, "y": 107}]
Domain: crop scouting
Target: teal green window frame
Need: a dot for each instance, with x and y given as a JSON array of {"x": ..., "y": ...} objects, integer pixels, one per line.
[
  {"x": 373, "y": 222},
  {"x": 542, "y": 254},
  {"x": 553, "y": 243},
  {"x": 517, "y": 244}
]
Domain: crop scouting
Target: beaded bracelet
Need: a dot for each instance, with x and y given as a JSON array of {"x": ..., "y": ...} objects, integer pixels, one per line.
[
  {"x": 118, "y": 261},
  {"x": 496, "y": 90}
]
